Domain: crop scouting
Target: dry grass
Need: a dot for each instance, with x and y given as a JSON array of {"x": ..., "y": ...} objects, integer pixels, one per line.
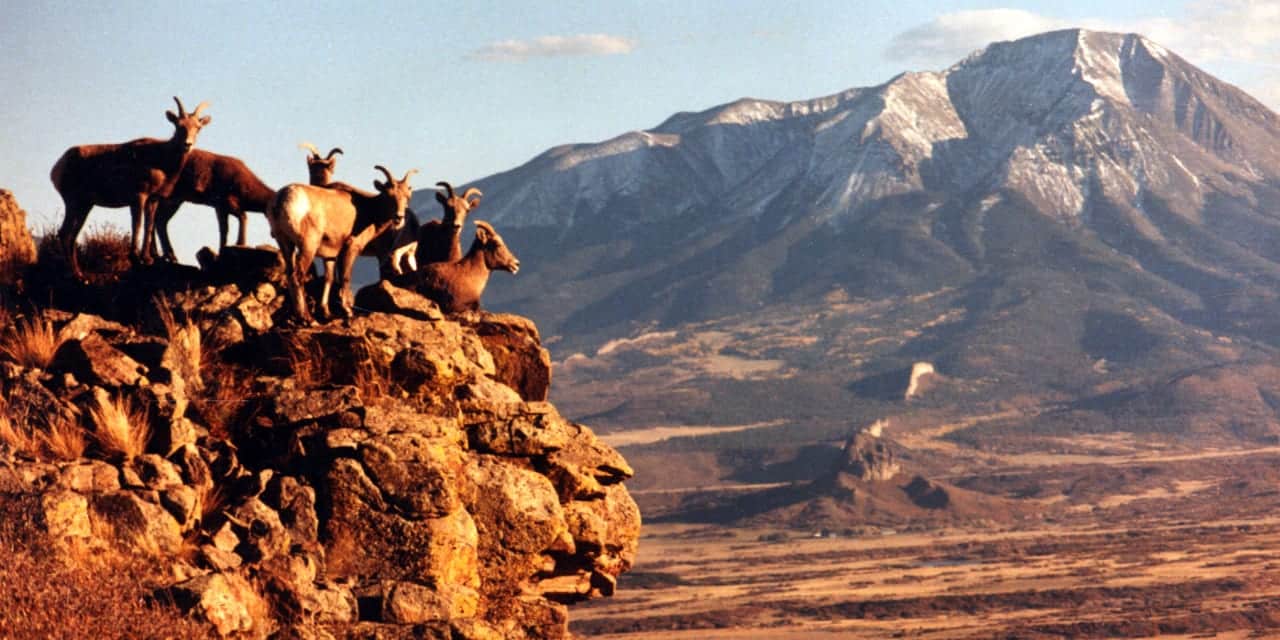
[
  {"x": 18, "y": 437},
  {"x": 64, "y": 439},
  {"x": 47, "y": 595},
  {"x": 120, "y": 428},
  {"x": 30, "y": 342},
  {"x": 61, "y": 439},
  {"x": 226, "y": 391},
  {"x": 105, "y": 250}
]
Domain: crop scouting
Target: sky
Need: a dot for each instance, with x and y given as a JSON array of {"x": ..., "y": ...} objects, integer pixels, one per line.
[{"x": 464, "y": 89}]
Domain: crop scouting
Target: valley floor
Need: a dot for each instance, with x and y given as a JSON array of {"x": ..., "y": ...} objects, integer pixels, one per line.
[
  {"x": 1141, "y": 543},
  {"x": 1073, "y": 580}
]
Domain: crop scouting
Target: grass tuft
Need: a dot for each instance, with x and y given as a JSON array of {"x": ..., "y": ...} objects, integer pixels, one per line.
[
  {"x": 119, "y": 427},
  {"x": 64, "y": 439},
  {"x": 30, "y": 342}
]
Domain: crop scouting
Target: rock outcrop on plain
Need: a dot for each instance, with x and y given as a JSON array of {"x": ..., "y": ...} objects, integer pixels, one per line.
[{"x": 396, "y": 475}]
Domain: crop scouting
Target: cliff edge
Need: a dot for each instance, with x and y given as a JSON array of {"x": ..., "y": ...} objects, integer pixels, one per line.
[{"x": 398, "y": 474}]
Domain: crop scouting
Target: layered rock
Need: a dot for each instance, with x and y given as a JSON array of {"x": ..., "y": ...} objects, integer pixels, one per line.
[{"x": 398, "y": 474}]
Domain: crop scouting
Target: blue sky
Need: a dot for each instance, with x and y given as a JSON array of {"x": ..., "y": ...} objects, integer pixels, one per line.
[{"x": 461, "y": 90}]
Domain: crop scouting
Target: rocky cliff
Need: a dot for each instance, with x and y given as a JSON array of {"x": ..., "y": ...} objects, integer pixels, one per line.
[{"x": 399, "y": 474}]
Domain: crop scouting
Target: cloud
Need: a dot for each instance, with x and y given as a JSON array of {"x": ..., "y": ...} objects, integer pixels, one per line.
[
  {"x": 951, "y": 36},
  {"x": 587, "y": 44},
  {"x": 1205, "y": 31}
]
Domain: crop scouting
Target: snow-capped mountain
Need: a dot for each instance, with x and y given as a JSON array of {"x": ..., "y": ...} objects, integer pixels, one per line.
[{"x": 1100, "y": 155}]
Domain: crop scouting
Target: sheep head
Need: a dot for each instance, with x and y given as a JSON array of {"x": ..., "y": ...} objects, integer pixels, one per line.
[
  {"x": 456, "y": 208},
  {"x": 186, "y": 126},
  {"x": 497, "y": 257},
  {"x": 320, "y": 168},
  {"x": 399, "y": 191}
]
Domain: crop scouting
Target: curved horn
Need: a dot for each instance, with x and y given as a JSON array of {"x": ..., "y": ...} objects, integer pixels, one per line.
[
  {"x": 447, "y": 187},
  {"x": 200, "y": 107},
  {"x": 467, "y": 195},
  {"x": 310, "y": 147},
  {"x": 386, "y": 173},
  {"x": 407, "y": 174},
  {"x": 481, "y": 224},
  {"x": 182, "y": 112},
  {"x": 331, "y": 152}
]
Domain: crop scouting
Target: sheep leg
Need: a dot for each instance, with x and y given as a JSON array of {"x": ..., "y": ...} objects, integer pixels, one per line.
[
  {"x": 350, "y": 251},
  {"x": 148, "y": 216},
  {"x": 223, "y": 226},
  {"x": 164, "y": 211},
  {"x": 328, "y": 285},
  {"x": 72, "y": 221},
  {"x": 301, "y": 269},
  {"x": 243, "y": 217}
]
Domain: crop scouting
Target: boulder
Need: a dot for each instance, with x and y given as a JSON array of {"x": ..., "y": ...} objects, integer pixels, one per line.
[
  {"x": 516, "y": 347},
  {"x": 17, "y": 249},
  {"x": 225, "y": 600},
  {"x": 93, "y": 360}
]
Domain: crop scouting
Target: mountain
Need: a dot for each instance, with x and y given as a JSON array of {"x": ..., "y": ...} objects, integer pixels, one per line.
[{"x": 1064, "y": 215}]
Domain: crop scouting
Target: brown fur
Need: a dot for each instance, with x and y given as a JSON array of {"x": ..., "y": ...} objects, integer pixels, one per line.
[
  {"x": 221, "y": 182},
  {"x": 335, "y": 225},
  {"x": 119, "y": 175},
  {"x": 457, "y": 286},
  {"x": 440, "y": 240}
]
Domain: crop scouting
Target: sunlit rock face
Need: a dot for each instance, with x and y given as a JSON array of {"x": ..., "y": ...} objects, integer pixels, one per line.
[{"x": 394, "y": 474}]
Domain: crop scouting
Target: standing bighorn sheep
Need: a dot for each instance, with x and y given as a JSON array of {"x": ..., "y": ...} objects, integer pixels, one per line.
[
  {"x": 336, "y": 225},
  {"x": 457, "y": 286},
  {"x": 124, "y": 174},
  {"x": 320, "y": 168},
  {"x": 394, "y": 250},
  {"x": 440, "y": 240},
  {"x": 221, "y": 182}
]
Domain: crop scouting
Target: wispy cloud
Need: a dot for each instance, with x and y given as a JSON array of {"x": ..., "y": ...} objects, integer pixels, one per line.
[
  {"x": 1206, "y": 31},
  {"x": 1203, "y": 31},
  {"x": 587, "y": 44},
  {"x": 951, "y": 36}
]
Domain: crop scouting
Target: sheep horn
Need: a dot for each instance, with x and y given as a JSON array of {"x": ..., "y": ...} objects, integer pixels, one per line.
[
  {"x": 407, "y": 174},
  {"x": 447, "y": 187},
  {"x": 467, "y": 195},
  {"x": 481, "y": 224},
  {"x": 386, "y": 173},
  {"x": 315, "y": 153},
  {"x": 182, "y": 112},
  {"x": 200, "y": 107},
  {"x": 331, "y": 152}
]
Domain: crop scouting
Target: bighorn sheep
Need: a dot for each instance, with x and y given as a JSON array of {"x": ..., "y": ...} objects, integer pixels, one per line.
[
  {"x": 394, "y": 251},
  {"x": 439, "y": 240},
  {"x": 457, "y": 286},
  {"x": 334, "y": 224},
  {"x": 320, "y": 168},
  {"x": 124, "y": 174},
  {"x": 221, "y": 182}
]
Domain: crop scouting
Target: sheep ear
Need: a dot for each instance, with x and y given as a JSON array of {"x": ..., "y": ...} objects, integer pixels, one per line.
[
  {"x": 482, "y": 234},
  {"x": 204, "y": 122},
  {"x": 173, "y": 117},
  {"x": 379, "y": 185},
  {"x": 440, "y": 197}
]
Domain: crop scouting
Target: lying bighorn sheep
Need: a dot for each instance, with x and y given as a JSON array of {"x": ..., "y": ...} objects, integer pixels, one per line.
[
  {"x": 440, "y": 240},
  {"x": 221, "y": 182},
  {"x": 394, "y": 250},
  {"x": 457, "y": 286},
  {"x": 334, "y": 224},
  {"x": 124, "y": 174}
]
